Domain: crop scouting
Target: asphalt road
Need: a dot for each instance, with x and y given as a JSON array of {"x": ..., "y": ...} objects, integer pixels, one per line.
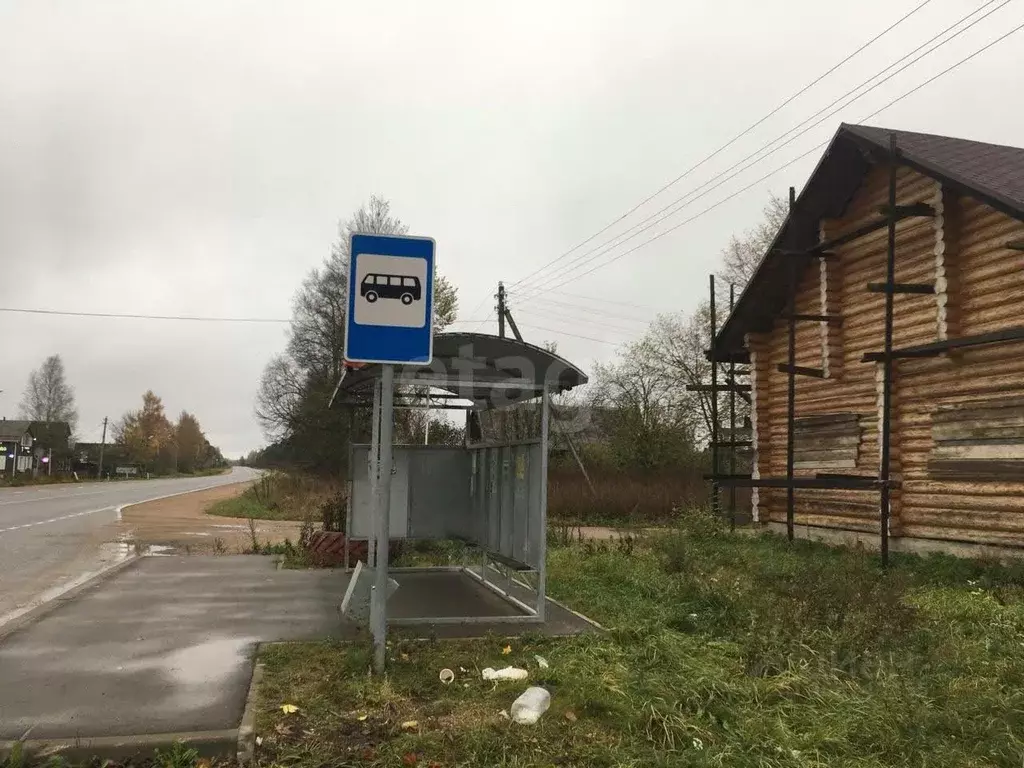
[{"x": 53, "y": 536}]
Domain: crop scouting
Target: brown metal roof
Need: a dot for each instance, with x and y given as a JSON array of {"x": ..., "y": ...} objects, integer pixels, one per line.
[{"x": 992, "y": 173}]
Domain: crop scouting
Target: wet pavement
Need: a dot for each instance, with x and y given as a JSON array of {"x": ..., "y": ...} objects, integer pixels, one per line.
[
  {"x": 166, "y": 644},
  {"x": 52, "y": 536}
]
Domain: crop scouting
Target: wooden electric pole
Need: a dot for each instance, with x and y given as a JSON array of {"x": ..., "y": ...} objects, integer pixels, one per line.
[
  {"x": 103, "y": 443},
  {"x": 501, "y": 309}
]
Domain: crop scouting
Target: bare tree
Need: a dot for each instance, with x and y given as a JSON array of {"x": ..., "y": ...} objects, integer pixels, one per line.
[
  {"x": 743, "y": 254},
  {"x": 647, "y": 409},
  {"x": 48, "y": 396},
  {"x": 295, "y": 388}
]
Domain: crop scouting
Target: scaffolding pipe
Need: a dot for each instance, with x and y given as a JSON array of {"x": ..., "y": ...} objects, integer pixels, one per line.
[
  {"x": 791, "y": 385},
  {"x": 890, "y": 280},
  {"x": 714, "y": 401},
  {"x": 732, "y": 420}
]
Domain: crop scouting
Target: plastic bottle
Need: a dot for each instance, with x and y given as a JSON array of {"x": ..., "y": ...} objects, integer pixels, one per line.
[{"x": 527, "y": 709}]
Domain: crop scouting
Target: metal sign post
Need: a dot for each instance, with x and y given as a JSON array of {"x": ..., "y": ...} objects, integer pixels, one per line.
[
  {"x": 382, "y": 508},
  {"x": 390, "y": 320}
]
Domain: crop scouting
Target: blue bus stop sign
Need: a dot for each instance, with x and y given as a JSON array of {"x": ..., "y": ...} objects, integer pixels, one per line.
[{"x": 390, "y": 315}]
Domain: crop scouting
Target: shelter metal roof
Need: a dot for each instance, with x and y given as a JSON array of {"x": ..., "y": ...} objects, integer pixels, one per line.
[{"x": 490, "y": 371}]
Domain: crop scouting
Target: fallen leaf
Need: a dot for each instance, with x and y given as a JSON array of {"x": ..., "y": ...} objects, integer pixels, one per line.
[
  {"x": 570, "y": 716},
  {"x": 405, "y": 657},
  {"x": 542, "y": 662},
  {"x": 408, "y": 724},
  {"x": 283, "y": 730},
  {"x": 259, "y": 741},
  {"x": 369, "y": 754},
  {"x": 506, "y": 650},
  {"x": 361, "y": 718},
  {"x": 203, "y": 762},
  {"x": 410, "y": 758},
  {"x": 289, "y": 709}
]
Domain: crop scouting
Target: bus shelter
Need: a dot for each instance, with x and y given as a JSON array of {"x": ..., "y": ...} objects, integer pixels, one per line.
[{"x": 490, "y": 492}]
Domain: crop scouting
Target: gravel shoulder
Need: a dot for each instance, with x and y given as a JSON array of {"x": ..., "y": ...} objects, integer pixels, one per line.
[{"x": 181, "y": 523}]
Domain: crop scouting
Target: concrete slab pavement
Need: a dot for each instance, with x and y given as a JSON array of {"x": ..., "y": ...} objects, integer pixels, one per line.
[
  {"x": 163, "y": 646},
  {"x": 166, "y": 644}
]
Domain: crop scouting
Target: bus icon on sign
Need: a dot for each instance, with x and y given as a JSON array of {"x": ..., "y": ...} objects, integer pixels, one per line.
[{"x": 405, "y": 288}]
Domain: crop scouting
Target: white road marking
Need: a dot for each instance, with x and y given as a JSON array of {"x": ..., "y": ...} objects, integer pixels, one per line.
[
  {"x": 116, "y": 508},
  {"x": 51, "y": 498},
  {"x": 55, "y": 519}
]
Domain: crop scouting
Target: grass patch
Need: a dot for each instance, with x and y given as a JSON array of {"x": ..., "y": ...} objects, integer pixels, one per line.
[
  {"x": 247, "y": 506},
  {"x": 723, "y": 650},
  {"x": 280, "y": 496}
]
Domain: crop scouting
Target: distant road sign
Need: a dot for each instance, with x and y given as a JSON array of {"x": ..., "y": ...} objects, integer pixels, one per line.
[{"x": 390, "y": 300}]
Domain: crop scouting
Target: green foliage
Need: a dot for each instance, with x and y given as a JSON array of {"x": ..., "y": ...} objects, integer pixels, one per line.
[
  {"x": 280, "y": 496},
  {"x": 178, "y": 756},
  {"x": 15, "y": 758}
]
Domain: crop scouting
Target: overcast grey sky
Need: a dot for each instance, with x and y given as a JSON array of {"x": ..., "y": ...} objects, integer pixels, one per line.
[{"x": 194, "y": 157}]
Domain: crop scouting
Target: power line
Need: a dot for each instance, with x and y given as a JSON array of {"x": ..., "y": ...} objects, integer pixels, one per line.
[
  {"x": 590, "y": 322},
  {"x": 565, "y": 270},
  {"x": 728, "y": 144},
  {"x": 600, "y": 311},
  {"x": 695, "y": 194},
  {"x": 790, "y": 162},
  {"x": 566, "y": 333},
  {"x": 595, "y": 298},
  {"x": 131, "y": 316}
]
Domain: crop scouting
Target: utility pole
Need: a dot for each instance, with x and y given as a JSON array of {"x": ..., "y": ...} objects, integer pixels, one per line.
[
  {"x": 103, "y": 444},
  {"x": 501, "y": 309}
]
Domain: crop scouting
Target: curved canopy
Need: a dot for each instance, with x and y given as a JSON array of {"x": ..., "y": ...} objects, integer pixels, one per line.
[{"x": 491, "y": 371}]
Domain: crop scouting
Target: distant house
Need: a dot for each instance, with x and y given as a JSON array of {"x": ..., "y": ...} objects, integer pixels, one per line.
[
  {"x": 86, "y": 458},
  {"x": 16, "y": 440},
  {"x": 32, "y": 445}
]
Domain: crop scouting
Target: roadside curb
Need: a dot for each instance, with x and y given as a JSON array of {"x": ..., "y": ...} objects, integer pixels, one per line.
[
  {"x": 247, "y": 728},
  {"x": 206, "y": 743},
  {"x": 34, "y": 614}
]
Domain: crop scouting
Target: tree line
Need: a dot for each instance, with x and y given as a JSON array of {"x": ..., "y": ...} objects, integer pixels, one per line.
[
  {"x": 647, "y": 417},
  {"x": 143, "y": 437}
]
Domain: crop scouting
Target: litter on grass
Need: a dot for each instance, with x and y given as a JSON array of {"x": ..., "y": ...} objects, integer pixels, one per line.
[
  {"x": 527, "y": 709},
  {"x": 506, "y": 673},
  {"x": 446, "y": 676}
]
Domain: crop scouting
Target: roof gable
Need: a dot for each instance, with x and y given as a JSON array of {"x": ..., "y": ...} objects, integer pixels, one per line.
[
  {"x": 991, "y": 173},
  {"x": 13, "y": 430}
]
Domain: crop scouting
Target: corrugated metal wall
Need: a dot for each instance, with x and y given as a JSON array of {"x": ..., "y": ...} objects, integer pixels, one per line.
[{"x": 981, "y": 288}]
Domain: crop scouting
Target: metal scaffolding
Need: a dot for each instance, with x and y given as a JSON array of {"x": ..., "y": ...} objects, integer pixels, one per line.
[{"x": 883, "y": 483}]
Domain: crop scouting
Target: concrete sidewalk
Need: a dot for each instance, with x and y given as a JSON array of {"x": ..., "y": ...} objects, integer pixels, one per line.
[{"x": 166, "y": 645}]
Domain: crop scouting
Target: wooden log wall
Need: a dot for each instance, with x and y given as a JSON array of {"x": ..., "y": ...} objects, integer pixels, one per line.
[{"x": 980, "y": 288}]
